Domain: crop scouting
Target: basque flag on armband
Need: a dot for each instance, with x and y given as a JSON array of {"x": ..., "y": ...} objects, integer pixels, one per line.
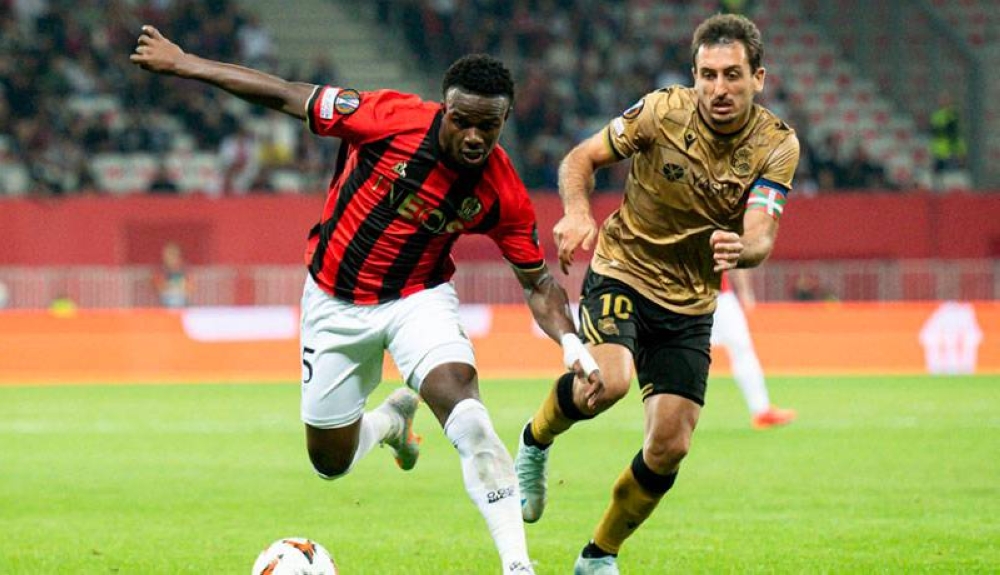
[{"x": 768, "y": 196}]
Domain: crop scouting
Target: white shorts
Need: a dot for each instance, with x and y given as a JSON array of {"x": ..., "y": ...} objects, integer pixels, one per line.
[
  {"x": 729, "y": 326},
  {"x": 343, "y": 346}
]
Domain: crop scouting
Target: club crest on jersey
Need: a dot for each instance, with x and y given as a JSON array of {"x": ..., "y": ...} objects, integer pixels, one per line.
[
  {"x": 347, "y": 102},
  {"x": 469, "y": 208},
  {"x": 633, "y": 110},
  {"x": 741, "y": 161},
  {"x": 400, "y": 169},
  {"x": 607, "y": 326}
]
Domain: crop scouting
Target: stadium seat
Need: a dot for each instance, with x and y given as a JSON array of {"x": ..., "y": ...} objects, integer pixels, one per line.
[
  {"x": 14, "y": 178},
  {"x": 123, "y": 173},
  {"x": 196, "y": 172}
]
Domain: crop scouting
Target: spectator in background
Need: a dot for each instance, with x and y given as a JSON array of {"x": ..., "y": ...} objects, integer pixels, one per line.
[
  {"x": 857, "y": 171},
  {"x": 323, "y": 71},
  {"x": 62, "y": 305},
  {"x": 808, "y": 288},
  {"x": 947, "y": 143},
  {"x": 239, "y": 158},
  {"x": 256, "y": 44},
  {"x": 172, "y": 283},
  {"x": 735, "y": 6},
  {"x": 162, "y": 182}
]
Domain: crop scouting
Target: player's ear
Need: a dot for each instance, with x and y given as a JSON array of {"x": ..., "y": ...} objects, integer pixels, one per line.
[{"x": 758, "y": 79}]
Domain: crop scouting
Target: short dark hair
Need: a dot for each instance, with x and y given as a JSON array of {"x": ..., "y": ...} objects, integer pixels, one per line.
[
  {"x": 480, "y": 74},
  {"x": 726, "y": 29}
]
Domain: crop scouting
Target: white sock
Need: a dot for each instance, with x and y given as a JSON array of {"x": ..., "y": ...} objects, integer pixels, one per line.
[
  {"x": 749, "y": 377},
  {"x": 488, "y": 471},
  {"x": 376, "y": 425}
]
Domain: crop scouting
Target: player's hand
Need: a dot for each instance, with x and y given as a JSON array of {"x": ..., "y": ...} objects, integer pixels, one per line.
[
  {"x": 155, "y": 53},
  {"x": 726, "y": 249},
  {"x": 571, "y": 232},
  {"x": 577, "y": 358}
]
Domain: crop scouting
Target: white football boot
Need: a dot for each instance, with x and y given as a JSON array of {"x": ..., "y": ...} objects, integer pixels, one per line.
[
  {"x": 607, "y": 565},
  {"x": 531, "y": 467},
  {"x": 405, "y": 445}
]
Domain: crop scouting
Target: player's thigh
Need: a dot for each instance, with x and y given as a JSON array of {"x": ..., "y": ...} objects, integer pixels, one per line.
[
  {"x": 610, "y": 326},
  {"x": 425, "y": 333},
  {"x": 342, "y": 350},
  {"x": 673, "y": 355},
  {"x": 617, "y": 367}
]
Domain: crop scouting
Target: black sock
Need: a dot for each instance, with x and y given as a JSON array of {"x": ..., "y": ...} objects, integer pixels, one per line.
[
  {"x": 529, "y": 439},
  {"x": 649, "y": 480},
  {"x": 592, "y": 551},
  {"x": 564, "y": 395}
]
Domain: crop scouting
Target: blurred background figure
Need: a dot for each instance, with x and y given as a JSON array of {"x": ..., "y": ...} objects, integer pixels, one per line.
[
  {"x": 163, "y": 182},
  {"x": 808, "y": 288},
  {"x": 239, "y": 156},
  {"x": 172, "y": 282},
  {"x": 731, "y": 331},
  {"x": 947, "y": 143},
  {"x": 62, "y": 305}
]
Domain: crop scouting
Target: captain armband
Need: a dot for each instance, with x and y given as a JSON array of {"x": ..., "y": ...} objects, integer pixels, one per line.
[{"x": 769, "y": 197}]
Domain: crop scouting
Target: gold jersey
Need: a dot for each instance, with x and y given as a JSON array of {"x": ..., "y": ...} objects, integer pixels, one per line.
[{"x": 685, "y": 182}]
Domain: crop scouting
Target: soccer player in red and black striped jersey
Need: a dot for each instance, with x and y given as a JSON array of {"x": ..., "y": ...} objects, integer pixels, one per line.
[{"x": 416, "y": 176}]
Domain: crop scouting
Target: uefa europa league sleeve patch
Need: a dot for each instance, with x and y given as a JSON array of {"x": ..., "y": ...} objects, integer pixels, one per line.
[
  {"x": 634, "y": 110},
  {"x": 347, "y": 102}
]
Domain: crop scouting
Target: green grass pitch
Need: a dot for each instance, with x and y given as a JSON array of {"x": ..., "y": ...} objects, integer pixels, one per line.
[{"x": 879, "y": 475}]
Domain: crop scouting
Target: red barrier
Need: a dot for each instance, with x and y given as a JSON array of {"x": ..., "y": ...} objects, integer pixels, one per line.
[{"x": 268, "y": 229}]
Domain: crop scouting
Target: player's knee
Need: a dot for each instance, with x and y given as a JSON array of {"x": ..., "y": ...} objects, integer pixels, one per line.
[
  {"x": 330, "y": 466},
  {"x": 471, "y": 432},
  {"x": 665, "y": 456},
  {"x": 614, "y": 390},
  {"x": 610, "y": 397}
]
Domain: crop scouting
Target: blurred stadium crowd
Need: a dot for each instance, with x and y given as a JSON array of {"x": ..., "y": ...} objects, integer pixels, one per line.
[{"x": 76, "y": 116}]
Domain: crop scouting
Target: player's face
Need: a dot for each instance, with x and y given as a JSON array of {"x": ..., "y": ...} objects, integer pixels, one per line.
[
  {"x": 471, "y": 126},
  {"x": 726, "y": 86}
]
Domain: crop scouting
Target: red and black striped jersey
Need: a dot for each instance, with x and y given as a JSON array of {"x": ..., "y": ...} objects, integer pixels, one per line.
[{"x": 395, "y": 208}]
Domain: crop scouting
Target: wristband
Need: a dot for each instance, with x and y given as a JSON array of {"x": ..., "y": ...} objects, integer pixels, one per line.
[{"x": 574, "y": 350}]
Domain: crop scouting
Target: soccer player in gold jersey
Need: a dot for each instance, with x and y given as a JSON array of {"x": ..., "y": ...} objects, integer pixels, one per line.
[{"x": 710, "y": 174}]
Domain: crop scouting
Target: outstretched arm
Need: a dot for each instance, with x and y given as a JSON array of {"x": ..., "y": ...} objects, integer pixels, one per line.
[
  {"x": 550, "y": 307},
  {"x": 156, "y": 53}
]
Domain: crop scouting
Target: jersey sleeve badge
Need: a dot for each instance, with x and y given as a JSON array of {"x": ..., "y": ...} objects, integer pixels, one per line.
[
  {"x": 633, "y": 111},
  {"x": 347, "y": 102}
]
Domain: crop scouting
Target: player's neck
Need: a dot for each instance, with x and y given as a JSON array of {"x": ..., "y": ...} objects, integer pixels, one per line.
[{"x": 740, "y": 125}]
